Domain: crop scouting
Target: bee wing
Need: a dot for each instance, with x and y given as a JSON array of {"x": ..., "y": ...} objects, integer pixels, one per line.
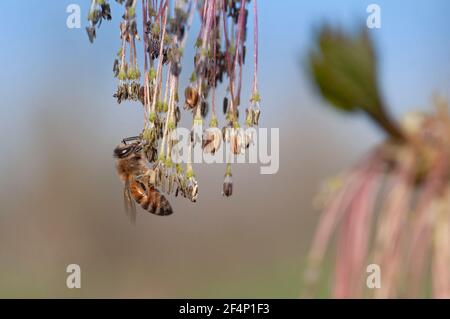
[{"x": 130, "y": 206}]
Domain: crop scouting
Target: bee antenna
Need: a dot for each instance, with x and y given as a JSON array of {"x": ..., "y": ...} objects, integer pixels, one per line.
[{"x": 131, "y": 138}]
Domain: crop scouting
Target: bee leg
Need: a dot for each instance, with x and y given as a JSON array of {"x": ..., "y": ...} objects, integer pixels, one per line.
[
  {"x": 139, "y": 177},
  {"x": 144, "y": 178}
]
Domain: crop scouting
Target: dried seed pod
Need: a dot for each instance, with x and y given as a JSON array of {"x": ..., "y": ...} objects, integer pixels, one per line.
[
  {"x": 91, "y": 33},
  {"x": 192, "y": 189},
  {"x": 132, "y": 28},
  {"x": 106, "y": 11},
  {"x": 153, "y": 47},
  {"x": 235, "y": 141},
  {"x": 211, "y": 141},
  {"x": 225, "y": 134},
  {"x": 160, "y": 129},
  {"x": 152, "y": 154},
  {"x": 170, "y": 184},
  {"x": 116, "y": 68},
  {"x": 248, "y": 139},
  {"x": 237, "y": 102},
  {"x": 172, "y": 142},
  {"x": 249, "y": 116},
  {"x": 227, "y": 186},
  {"x": 225, "y": 105},
  {"x": 134, "y": 91},
  {"x": 142, "y": 95},
  {"x": 177, "y": 114},
  {"x": 191, "y": 96},
  {"x": 180, "y": 185},
  {"x": 121, "y": 93},
  {"x": 175, "y": 69},
  {"x": 148, "y": 27},
  {"x": 256, "y": 115},
  {"x": 204, "y": 109}
]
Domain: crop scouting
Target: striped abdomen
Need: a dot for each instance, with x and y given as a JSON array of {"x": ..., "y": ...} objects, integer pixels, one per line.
[{"x": 150, "y": 198}]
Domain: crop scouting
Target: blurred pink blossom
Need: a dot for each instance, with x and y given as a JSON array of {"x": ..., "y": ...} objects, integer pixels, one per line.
[{"x": 392, "y": 209}]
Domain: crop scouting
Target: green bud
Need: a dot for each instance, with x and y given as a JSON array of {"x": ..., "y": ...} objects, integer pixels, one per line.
[
  {"x": 159, "y": 106},
  {"x": 198, "y": 120},
  {"x": 193, "y": 77},
  {"x": 131, "y": 12},
  {"x": 168, "y": 162},
  {"x": 156, "y": 29},
  {"x": 152, "y": 117},
  {"x": 255, "y": 98},
  {"x": 130, "y": 74},
  {"x": 171, "y": 125},
  {"x": 214, "y": 122},
  {"x": 91, "y": 15},
  {"x": 167, "y": 39},
  {"x": 190, "y": 173},
  {"x": 232, "y": 49},
  {"x": 152, "y": 74},
  {"x": 147, "y": 134},
  {"x": 122, "y": 75}
]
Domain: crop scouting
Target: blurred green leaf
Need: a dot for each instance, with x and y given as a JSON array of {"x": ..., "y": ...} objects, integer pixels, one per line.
[{"x": 344, "y": 68}]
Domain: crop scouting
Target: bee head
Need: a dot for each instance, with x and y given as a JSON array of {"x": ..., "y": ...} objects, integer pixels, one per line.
[{"x": 123, "y": 150}]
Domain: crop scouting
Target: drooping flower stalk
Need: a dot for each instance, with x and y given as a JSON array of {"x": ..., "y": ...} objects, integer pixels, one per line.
[
  {"x": 156, "y": 90},
  {"x": 239, "y": 54},
  {"x": 255, "y": 52}
]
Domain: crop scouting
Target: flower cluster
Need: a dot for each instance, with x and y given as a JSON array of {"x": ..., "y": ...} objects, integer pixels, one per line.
[{"x": 220, "y": 50}]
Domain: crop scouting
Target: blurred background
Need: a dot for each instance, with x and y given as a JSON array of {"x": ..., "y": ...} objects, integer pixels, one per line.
[{"x": 61, "y": 201}]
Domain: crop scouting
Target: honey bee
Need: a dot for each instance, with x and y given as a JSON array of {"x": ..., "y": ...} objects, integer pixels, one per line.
[{"x": 132, "y": 168}]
